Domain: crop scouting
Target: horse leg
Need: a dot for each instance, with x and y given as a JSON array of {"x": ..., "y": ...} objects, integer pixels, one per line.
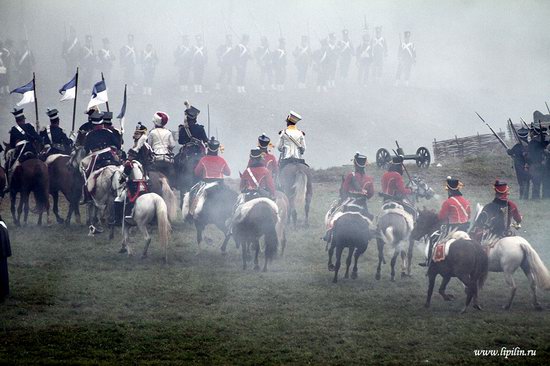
[
  {"x": 243, "y": 248},
  {"x": 470, "y": 289},
  {"x": 200, "y": 229},
  {"x": 330, "y": 254},
  {"x": 392, "y": 263},
  {"x": 431, "y": 284},
  {"x": 125, "y": 235},
  {"x": 339, "y": 250},
  {"x": 404, "y": 264},
  {"x": 257, "y": 247},
  {"x": 511, "y": 283},
  {"x": 225, "y": 241},
  {"x": 443, "y": 287},
  {"x": 145, "y": 233},
  {"x": 24, "y": 207},
  {"x": 13, "y": 198},
  {"x": 306, "y": 223},
  {"x": 380, "y": 245},
  {"x": 77, "y": 212},
  {"x": 532, "y": 284},
  {"x": 410, "y": 251},
  {"x": 348, "y": 261},
  {"x": 294, "y": 217},
  {"x": 358, "y": 253},
  {"x": 55, "y": 197}
]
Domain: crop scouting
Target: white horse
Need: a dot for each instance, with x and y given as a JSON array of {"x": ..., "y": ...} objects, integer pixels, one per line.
[
  {"x": 507, "y": 255},
  {"x": 147, "y": 208},
  {"x": 102, "y": 187}
]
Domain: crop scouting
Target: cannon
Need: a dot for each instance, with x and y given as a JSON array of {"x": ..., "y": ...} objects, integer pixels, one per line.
[{"x": 422, "y": 156}]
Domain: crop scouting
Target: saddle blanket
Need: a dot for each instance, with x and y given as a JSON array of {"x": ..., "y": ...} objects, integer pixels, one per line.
[
  {"x": 50, "y": 159},
  {"x": 441, "y": 249},
  {"x": 194, "y": 208},
  {"x": 242, "y": 210},
  {"x": 393, "y": 207},
  {"x": 337, "y": 215}
]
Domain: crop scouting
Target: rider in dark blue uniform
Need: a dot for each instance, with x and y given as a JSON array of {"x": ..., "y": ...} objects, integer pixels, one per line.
[
  {"x": 54, "y": 139},
  {"x": 23, "y": 136},
  {"x": 191, "y": 134}
]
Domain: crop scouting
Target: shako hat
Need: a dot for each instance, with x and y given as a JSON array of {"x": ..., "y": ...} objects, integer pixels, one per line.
[
  {"x": 18, "y": 114},
  {"x": 293, "y": 117},
  {"x": 453, "y": 184},
  {"x": 213, "y": 144},
  {"x": 263, "y": 140},
  {"x": 141, "y": 128},
  {"x": 359, "y": 160},
  {"x": 107, "y": 117},
  {"x": 53, "y": 115},
  {"x": 97, "y": 118},
  {"x": 501, "y": 187}
]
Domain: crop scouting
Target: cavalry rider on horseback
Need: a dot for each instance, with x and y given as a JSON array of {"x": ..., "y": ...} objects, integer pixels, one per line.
[
  {"x": 141, "y": 151},
  {"x": 101, "y": 147},
  {"x": 108, "y": 123},
  {"x": 191, "y": 135},
  {"x": 54, "y": 138},
  {"x": 257, "y": 181},
  {"x": 86, "y": 127},
  {"x": 162, "y": 143},
  {"x": 496, "y": 216},
  {"x": 356, "y": 189},
  {"x": 135, "y": 187},
  {"x": 292, "y": 142},
  {"x": 393, "y": 186},
  {"x": 454, "y": 215},
  {"x": 23, "y": 136},
  {"x": 210, "y": 169},
  {"x": 270, "y": 160}
]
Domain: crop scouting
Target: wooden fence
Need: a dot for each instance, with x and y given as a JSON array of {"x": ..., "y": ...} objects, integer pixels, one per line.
[{"x": 471, "y": 146}]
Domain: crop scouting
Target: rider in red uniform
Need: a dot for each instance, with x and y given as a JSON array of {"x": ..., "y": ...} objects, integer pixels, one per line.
[
  {"x": 212, "y": 167},
  {"x": 270, "y": 160},
  {"x": 392, "y": 180},
  {"x": 454, "y": 213},
  {"x": 256, "y": 177}
]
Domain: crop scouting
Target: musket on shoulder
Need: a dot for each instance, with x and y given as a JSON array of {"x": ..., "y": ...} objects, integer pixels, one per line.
[
  {"x": 515, "y": 132},
  {"x": 494, "y": 133}
]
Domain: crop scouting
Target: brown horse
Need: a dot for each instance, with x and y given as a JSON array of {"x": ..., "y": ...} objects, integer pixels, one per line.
[
  {"x": 65, "y": 179},
  {"x": 296, "y": 183},
  {"x": 465, "y": 260},
  {"x": 29, "y": 176}
]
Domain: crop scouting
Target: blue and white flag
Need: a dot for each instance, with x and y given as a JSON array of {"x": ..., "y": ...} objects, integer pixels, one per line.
[
  {"x": 68, "y": 91},
  {"x": 122, "y": 112},
  {"x": 99, "y": 95},
  {"x": 27, "y": 91}
]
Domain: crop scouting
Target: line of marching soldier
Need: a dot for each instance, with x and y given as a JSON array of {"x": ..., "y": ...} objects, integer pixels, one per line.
[{"x": 531, "y": 156}]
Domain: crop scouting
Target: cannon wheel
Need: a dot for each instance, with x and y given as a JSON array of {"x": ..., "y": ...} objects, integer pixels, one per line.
[
  {"x": 382, "y": 158},
  {"x": 423, "y": 157}
]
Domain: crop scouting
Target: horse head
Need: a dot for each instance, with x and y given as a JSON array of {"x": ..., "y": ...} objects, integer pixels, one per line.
[
  {"x": 426, "y": 223},
  {"x": 421, "y": 188}
]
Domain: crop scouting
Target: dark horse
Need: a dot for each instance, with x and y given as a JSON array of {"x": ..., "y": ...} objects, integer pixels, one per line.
[
  {"x": 254, "y": 219},
  {"x": 64, "y": 178},
  {"x": 184, "y": 166},
  {"x": 295, "y": 180},
  {"x": 466, "y": 260},
  {"x": 31, "y": 176},
  {"x": 217, "y": 208},
  {"x": 351, "y": 230}
]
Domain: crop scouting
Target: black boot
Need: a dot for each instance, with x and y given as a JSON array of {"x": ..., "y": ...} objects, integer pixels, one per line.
[
  {"x": 116, "y": 214},
  {"x": 85, "y": 196}
]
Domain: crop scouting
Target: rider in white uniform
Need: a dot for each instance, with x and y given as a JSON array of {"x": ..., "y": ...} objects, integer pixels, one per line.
[{"x": 292, "y": 141}]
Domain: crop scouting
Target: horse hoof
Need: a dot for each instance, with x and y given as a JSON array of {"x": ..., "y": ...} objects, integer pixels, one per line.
[
  {"x": 463, "y": 310},
  {"x": 256, "y": 268},
  {"x": 538, "y": 307},
  {"x": 143, "y": 256},
  {"x": 427, "y": 305},
  {"x": 335, "y": 280},
  {"x": 331, "y": 267},
  {"x": 392, "y": 279},
  {"x": 123, "y": 250},
  {"x": 60, "y": 221},
  {"x": 477, "y": 307},
  {"x": 353, "y": 275},
  {"x": 377, "y": 276},
  {"x": 264, "y": 270}
]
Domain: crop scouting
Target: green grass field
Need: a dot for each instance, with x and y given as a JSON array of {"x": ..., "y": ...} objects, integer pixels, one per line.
[{"x": 75, "y": 300}]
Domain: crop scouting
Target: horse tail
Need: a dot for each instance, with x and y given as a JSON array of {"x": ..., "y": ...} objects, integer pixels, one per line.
[
  {"x": 300, "y": 189},
  {"x": 387, "y": 235},
  {"x": 163, "y": 225},
  {"x": 481, "y": 266},
  {"x": 42, "y": 188},
  {"x": 539, "y": 270},
  {"x": 170, "y": 199}
]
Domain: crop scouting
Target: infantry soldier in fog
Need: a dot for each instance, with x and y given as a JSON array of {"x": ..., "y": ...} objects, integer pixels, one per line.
[
  {"x": 198, "y": 62},
  {"x": 519, "y": 154},
  {"x": 242, "y": 55},
  {"x": 279, "y": 65},
  {"x": 302, "y": 59},
  {"x": 128, "y": 61},
  {"x": 345, "y": 54},
  {"x": 264, "y": 59},
  {"x": 535, "y": 158},
  {"x": 364, "y": 59},
  {"x": 320, "y": 60},
  {"x": 406, "y": 57},
  {"x": 149, "y": 61},
  {"x": 379, "y": 52},
  {"x": 24, "y": 62},
  {"x": 226, "y": 56},
  {"x": 106, "y": 58},
  {"x": 332, "y": 60},
  {"x": 183, "y": 57},
  {"x": 71, "y": 52},
  {"x": 5, "y": 61},
  {"x": 88, "y": 62}
]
